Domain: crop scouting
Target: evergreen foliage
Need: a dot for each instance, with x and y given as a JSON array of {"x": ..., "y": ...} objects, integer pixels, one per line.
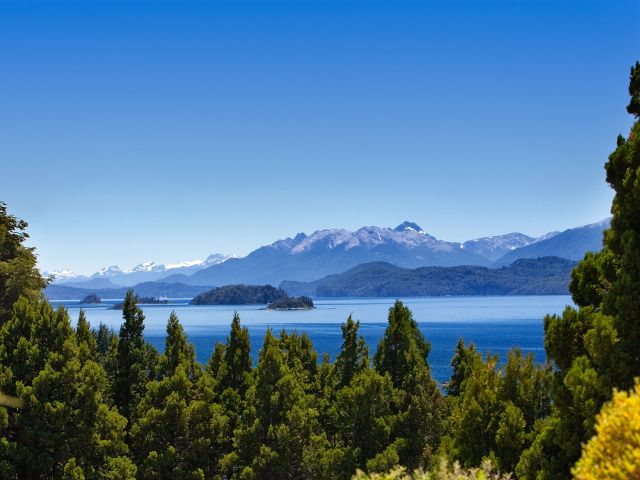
[
  {"x": 180, "y": 429},
  {"x": 65, "y": 426},
  {"x": 291, "y": 303},
  {"x": 135, "y": 361},
  {"x": 353, "y": 356},
  {"x": 18, "y": 273},
  {"x": 494, "y": 411},
  {"x": 596, "y": 347},
  {"x": 240, "y": 295},
  {"x": 443, "y": 472}
]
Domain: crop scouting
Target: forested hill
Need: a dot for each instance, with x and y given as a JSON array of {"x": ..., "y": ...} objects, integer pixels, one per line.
[
  {"x": 240, "y": 295},
  {"x": 541, "y": 276}
]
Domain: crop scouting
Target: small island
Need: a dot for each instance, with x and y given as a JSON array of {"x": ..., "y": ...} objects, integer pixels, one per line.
[
  {"x": 142, "y": 301},
  {"x": 92, "y": 298},
  {"x": 291, "y": 303},
  {"x": 240, "y": 295}
]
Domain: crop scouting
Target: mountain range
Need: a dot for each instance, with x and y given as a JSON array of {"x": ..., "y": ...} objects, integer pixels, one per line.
[
  {"x": 305, "y": 258},
  {"x": 571, "y": 244},
  {"x": 310, "y": 257},
  {"x": 114, "y": 277}
]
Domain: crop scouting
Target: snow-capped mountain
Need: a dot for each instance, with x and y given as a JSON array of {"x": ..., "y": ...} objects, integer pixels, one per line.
[
  {"x": 143, "y": 272},
  {"x": 63, "y": 275},
  {"x": 330, "y": 251},
  {"x": 108, "y": 272},
  {"x": 407, "y": 234},
  {"x": 324, "y": 252},
  {"x": 495, "y": 247},
  {"x": 546, "y": 236},
  {"x": 148, "y": 267},
  {"x": 405, "y": 226}
]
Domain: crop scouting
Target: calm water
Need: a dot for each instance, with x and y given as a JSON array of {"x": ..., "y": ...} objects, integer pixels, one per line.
[{"x": 494, "y": 324}]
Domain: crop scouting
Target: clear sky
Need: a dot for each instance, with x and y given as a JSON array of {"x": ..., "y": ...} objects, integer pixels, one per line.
[{"x": 157, "y": 130}]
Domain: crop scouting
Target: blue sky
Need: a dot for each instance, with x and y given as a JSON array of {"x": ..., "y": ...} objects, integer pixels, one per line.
[{"x": 157, "y": 130}]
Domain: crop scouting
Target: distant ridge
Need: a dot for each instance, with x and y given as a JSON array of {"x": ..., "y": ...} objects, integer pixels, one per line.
[
  {"x": 146, "y": 289},
  {"x": 113, "y": 276},
  {"x": 541, "y": 276},
  {"x": 307, "y": 258},
  {"x": 571, "y": 244}
]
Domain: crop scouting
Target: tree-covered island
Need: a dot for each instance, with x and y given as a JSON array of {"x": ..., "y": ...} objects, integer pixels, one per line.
[{"x": 92, "y": 298}]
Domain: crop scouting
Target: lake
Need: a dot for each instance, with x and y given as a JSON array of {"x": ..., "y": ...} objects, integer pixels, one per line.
[{"x": 494, "y": 324}]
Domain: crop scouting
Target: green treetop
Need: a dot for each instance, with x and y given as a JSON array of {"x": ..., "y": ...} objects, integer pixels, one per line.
[
  {"x": 402, "y": 347},
  {"x": 354, "y": 354},
  {"x": 597, "y": 347},
  {"x": 237, "y": 358},
  {"x": 180, "y": 429},
  {"x": 18, "y": 272},
  {"x": 64, "y": 426},
  {"x": 135, "y": 361}
]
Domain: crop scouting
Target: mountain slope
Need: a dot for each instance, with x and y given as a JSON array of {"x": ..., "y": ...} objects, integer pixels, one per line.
[
  {"x": 144, "y": 272},
  {"x": 571, "y": 244},
  {"x": 542, "y": 276},
  {"x": 325, "y": 252},
  {"x": 494, "y": 247}
]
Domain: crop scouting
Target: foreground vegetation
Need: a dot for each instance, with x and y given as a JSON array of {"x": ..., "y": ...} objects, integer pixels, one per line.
[{"x": 90, "y": 404}]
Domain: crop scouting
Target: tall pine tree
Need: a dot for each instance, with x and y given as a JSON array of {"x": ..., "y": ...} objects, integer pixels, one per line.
[
  {"x": 402, "y": 354},
  {"x": 180, "y": 430},
  {"x": 135, "y": 360},
  {"x": 65, "y": 424},
  {"x": 596, "y": 348},
  {"x": 18, "y": 273}
]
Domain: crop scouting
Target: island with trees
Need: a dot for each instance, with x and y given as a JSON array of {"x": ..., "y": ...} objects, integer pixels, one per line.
[
  {"x": 142, "y": 301},
  {"x": 291, "y": 303},
  {"x": 240, "y": 295},
  {"x": 92, "y": 298}
]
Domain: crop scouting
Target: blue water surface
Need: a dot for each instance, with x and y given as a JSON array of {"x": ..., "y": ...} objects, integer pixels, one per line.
[{"x": 494, "y": 324}]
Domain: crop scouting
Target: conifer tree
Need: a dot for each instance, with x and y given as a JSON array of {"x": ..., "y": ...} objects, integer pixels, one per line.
[
  {"x": 87, "y": 341},
  {"x": 363, "y": 417},
  {"x": 104, "y": 338},
  {"x": 596, "y": 348},
  {"x": 462, "y": 364},
  {"x": 354, "y": 354},
  {"x": 496, "y": 410},
  {"x": 178, "y": 352},
  {"x": 402, "y": 354},
  {"x": 278, "y": 426},
  {"x": 216, "y": 365},
  {"x": 179, "y": 432},
  {"x": 135, "y": 360},
  {"x": 300, "y": 354},
  {"x": 237, "y": 358},
  {"x": 18, "y": 273},
  {"x": 402, "y": 347},
  {"x": 64, "y": 426}
]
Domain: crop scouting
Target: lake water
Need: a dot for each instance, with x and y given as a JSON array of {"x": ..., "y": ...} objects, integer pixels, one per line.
[{"x": 494, "y": 324}]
